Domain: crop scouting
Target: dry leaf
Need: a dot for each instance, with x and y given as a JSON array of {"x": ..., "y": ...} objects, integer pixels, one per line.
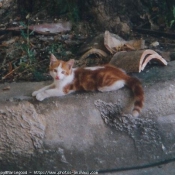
[
  {"x": 115, "y": 43},
  {"x": 6, "y": 43},
  {"x": 46, "y": 28},
  {"x": 137, "y": 44},
  {"x": 53, "y": 28},
  {"x": 6, "y": 88}
]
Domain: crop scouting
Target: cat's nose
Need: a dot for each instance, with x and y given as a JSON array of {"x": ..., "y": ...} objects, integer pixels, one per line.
[{"x": 57, "y": 78}]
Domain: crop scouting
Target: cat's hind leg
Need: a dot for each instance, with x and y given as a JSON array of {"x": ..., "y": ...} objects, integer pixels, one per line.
[
  {"x": 42, "y": 89},
  {"x": 115, "y": 86}
]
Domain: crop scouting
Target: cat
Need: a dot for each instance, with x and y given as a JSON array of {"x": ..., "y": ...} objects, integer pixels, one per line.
[{"x": 99, "y": 78}]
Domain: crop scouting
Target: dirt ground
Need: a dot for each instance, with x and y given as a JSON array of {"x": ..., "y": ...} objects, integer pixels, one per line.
[{"x": 24, "y": 54}]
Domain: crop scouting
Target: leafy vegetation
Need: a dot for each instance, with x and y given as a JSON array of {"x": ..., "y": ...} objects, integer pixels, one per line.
[
  {"x": 163, "y": 10},
  {"x": 172, "y": 22},
  {"x": 30, "y": 54}
]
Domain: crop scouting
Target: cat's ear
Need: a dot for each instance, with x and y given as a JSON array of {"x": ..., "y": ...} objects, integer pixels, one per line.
[
  {"x": 52, "y": 59},
  {"x": 70, "y": 63}
]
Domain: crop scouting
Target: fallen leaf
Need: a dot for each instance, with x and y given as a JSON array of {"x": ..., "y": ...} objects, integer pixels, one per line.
[
  {"x": 6, "y": 43},
  {"x": 6, "y": 88},
  {"x": 53, "y": 28},
  {"x": 155, "y": 44},
  {"x": 115, "y": 43},
  {"x": 46, "y": 28}
]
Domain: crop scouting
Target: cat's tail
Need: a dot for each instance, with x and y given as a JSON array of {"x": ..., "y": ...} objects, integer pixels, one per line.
[{"x": 135, "y": 85}]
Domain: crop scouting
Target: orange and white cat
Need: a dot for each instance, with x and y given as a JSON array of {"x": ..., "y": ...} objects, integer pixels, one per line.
[{"x": 98, "y": 78}]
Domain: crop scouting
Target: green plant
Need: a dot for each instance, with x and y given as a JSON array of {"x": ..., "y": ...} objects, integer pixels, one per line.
[
  {"x": 27, "y": 62},
  {"x": 38, "y": 76},
  {"x": 57, "y": 49},
  {"x": 162, "y": 9},
  {"x": 172, "y": 22},
  {"x": 29, "y": 52},
  {"x": 25, "y": 46}
]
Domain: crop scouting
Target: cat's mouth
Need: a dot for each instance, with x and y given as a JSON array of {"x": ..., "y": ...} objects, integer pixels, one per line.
[{"x": 57, "y": 78}]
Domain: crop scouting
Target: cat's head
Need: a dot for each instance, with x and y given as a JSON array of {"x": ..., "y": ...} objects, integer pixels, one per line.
[{"x": 60, "y": 69}]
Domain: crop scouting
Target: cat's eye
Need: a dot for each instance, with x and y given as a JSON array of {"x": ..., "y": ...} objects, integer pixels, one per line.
[
  {"x": 63, "y": 72},
  {"x": 55, "y": 70}
]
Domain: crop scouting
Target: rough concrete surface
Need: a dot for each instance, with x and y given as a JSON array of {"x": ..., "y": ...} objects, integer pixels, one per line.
[{"x": 90, "y": 131}]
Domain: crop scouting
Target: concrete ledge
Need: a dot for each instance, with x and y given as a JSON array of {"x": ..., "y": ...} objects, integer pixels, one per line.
[{"x": 85, "y": 131}]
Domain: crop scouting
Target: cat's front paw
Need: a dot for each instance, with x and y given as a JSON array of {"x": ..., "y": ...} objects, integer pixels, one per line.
[
  {"x": 41, "y": 96},
  {"x": 35, "y": 93}
]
